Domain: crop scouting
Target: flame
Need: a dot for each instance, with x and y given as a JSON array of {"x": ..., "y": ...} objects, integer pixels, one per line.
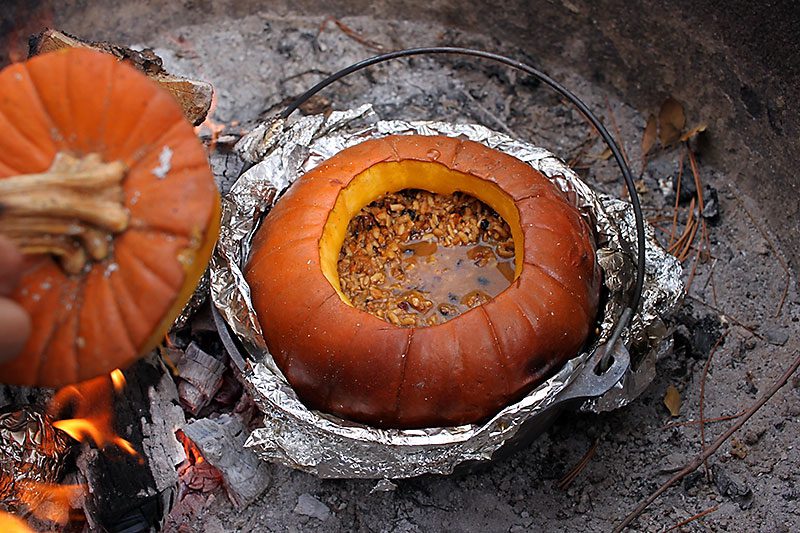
[
  {"x": 82, "y": 429},
  {"x": 214, "y": 127},
  {"x": 12, "y": 524},
  {"x": 91, "y": 403},
  {"x": 118, "y": 379},
  {"x": 193, "y": 454}
]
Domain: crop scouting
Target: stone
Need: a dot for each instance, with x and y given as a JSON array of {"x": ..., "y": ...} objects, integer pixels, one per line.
[
  {"x": 776, "y": 336},
  {"x": 308, "y": 505},
  {"x": 732, "y": 486}
]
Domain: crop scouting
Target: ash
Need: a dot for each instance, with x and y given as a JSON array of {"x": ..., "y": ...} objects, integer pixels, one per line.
[{"x": 259, "y": 61}]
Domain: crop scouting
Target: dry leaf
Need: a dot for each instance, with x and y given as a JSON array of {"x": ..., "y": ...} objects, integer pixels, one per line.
[
  {"x": 605, "y": 155},
  {"x": 672, "y": 399},
  {"x": 649, "y": 137},
  {"x": 700, "y": 128},
  {"x": 671, "y": 120},
  {"x": 738, "y": 448}
]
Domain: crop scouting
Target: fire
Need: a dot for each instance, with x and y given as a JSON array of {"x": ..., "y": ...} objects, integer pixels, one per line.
[
  {"x": 91, "y": 404},
  {"x": 118, "y": 379},
  {"x": 214, "y": 128},
  {"x": 11, "y": 524},
  {"x": 90, "y": 408},
  {"x": 193, "y": 454}
]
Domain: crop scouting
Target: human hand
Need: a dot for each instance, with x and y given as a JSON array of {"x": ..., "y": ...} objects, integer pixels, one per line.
[{"x": 15, "y": 324}]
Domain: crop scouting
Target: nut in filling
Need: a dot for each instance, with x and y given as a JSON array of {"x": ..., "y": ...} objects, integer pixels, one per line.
[{"x": 415, "y": 258}]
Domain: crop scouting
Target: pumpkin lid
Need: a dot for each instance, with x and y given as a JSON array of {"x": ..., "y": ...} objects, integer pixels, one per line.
[{"x": 106, "y": 189}]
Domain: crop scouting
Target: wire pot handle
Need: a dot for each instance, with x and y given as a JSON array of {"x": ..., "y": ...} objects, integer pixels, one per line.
[{"x": 636, "y": 295}]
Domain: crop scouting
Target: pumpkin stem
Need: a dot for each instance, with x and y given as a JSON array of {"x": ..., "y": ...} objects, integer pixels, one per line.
[{"x": 70, "y": 211}]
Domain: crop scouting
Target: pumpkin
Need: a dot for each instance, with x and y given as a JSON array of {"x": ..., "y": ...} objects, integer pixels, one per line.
[
  {"x": 347, "y": 362},
  {"x": 107, "y": 191}
]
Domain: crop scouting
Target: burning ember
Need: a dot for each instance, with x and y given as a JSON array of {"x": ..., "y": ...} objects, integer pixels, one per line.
[
  {"x": 214, "y": 133},
  {"x": 193, "y": 453},
  {"x": 196, "y": 474}
]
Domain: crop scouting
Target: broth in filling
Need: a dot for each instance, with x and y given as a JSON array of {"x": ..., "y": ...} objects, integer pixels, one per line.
[{"x": 415, "y": 258}]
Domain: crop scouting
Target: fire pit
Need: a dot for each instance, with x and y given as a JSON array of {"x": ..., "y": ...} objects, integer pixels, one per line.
[{"x": 729, "y": 187}]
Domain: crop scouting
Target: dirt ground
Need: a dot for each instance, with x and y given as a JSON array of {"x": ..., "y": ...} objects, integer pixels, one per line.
[{"x": 257, "y": 61}]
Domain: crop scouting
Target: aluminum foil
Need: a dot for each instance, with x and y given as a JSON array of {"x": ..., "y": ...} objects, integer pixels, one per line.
[
  {"x": 334, "y": 448},
  {"x": 31, "y": 450}
]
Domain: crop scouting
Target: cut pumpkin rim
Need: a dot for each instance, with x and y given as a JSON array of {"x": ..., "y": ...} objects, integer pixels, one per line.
[{"x": 390, "y": 177}]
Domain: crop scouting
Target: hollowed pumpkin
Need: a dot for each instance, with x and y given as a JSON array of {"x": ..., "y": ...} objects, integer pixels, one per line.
[
  {"x": 106, "y": 189},
  {"x": 350, "y": 363}
]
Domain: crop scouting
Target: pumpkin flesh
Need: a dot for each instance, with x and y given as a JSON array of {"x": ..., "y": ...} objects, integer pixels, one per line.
[{"x": 394, "y": 176}]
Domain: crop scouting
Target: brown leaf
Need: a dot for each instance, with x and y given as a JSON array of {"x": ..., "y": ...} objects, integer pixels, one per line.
[
  {"x": 738, "y": 448},
  {"x": 649, "y": 137},
  {"x": 671, "y": 120},
  {"x": 672, "y": 399},
  {"x": 605, "y": 155},
  {"x": 700, "y": 128}
]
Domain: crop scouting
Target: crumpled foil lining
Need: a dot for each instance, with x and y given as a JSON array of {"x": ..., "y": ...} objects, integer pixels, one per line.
[
  {"x": 31, "y": 450},
  {"x": 334, "y": 448}
]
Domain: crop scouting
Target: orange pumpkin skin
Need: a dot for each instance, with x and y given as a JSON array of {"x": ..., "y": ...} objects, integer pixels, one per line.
[
  {"x": 345, "y": 361},
  {"x": 78, "y": 101}
]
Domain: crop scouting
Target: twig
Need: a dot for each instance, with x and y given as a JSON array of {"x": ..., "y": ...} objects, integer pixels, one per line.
[
  {"x": 694, "y": 270},
  {"x": 713, "y": 284},
  {"x": 700, "y": 200},
  {"x": 581, "y": 149},
  {"x": 679, "y": 248},
  {"x": 710, "y": 279},
  {"x": 572, "y": 475},
  {"x": 305, "y": 72},
  {"x": 695, "y": 464},
  {"x": 350, "y": 32},
  {"x": 703, "y": 400},
  {"x": 677, "y": 196},
  {"x": 706, "y": 420},
  {"x": 660, "y": 228},
  {"x": 693, "y": 518}
]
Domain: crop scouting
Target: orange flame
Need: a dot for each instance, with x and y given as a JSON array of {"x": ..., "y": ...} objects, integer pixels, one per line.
[
  {"x": 13, "y": 524},
  {"x": 91, "y": 403},
  {"x": 193, "y": 454},
  {"x": 118, "y": 379},
  {"x": 214, "y": 127}
]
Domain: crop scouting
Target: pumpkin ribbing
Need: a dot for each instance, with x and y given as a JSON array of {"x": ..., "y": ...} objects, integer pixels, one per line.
[{"x": 131, "y": 218}]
